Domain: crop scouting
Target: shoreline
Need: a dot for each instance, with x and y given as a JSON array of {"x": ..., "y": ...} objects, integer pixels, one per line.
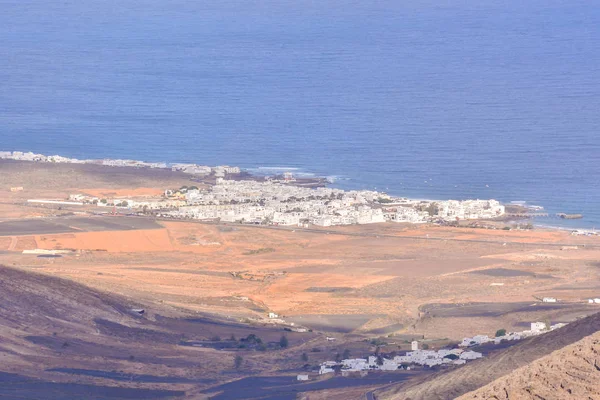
[{"x": 209, "y": 175}]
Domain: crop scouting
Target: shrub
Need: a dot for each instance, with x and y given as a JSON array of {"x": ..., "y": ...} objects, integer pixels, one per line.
[
  {"x": 304, "y": 357},
  {"x": 500, "y": 332},
  {"x": 283, "y": 342},
  {"x": 237, "y": 362}
]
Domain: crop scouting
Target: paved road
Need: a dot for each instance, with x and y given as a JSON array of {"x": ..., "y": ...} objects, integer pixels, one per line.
[{"x": 370, "y": 395}]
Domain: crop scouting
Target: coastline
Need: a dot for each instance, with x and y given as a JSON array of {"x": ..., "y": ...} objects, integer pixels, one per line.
[{"x": 209, "y": 175}]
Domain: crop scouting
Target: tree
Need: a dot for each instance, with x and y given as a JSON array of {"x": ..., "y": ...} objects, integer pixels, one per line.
[
  {"x": 425, "y": 346},
  {"x": 548, "y": 324},
  {"x": 379, "y": 360},
  {"x": 500, "y": 332},
  {"x": 346, "y": 354},
  {"x": 103, "y": 201},
  {"x": 283, "y": 342},
  {"x": 452, "y": 357},
  {"x": 433, "y": 209},
  {"x": 338, "y": 357},
  {"x": 304, "y": 357},
  {"x": 237, "y": 362}
]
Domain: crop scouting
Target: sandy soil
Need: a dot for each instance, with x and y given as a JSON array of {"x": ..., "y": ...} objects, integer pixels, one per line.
[
  {"x": 354, "y": 283},
  {"x": 299, "y": 274}
]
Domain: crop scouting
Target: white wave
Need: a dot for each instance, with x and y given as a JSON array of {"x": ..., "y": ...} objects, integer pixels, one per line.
[{"x": 276, "y": 169}]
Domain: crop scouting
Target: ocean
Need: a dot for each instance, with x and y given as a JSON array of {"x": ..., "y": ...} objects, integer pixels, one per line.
[{"x": 426, "y": 99}]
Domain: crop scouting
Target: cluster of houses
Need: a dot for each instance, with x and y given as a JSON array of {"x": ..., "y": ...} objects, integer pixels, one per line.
[
  {"x": 277, "y": 203},
  {"x": 416, "y": 356},
  {"x": 432, "y": 358},
  {"x": 581, "y": 232},
  {"x": 218, "y": 171},
  {"x": 140, "y": 204},
  {"x": 420, "y": 211},
  {"x": 537, "y": 328}
]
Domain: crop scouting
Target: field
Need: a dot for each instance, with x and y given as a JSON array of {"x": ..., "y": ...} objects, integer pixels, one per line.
[{"x": 384, "y": 282}]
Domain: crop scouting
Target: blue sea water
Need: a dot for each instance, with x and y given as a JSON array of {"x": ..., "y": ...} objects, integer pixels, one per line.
[{"x": 430, "y": 99}]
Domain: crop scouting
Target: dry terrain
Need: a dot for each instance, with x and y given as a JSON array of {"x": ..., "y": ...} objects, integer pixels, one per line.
[
  {"x": 572, "y": 372},
  {"x": 390, "y": 282},
  {"x": 452, "y": 384}
]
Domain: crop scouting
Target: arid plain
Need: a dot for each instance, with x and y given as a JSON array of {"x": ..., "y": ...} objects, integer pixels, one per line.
[{"x": 388, "y": 281}]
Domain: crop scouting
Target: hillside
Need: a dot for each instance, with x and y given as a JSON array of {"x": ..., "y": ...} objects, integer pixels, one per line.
[
  {"x": 74, "y": 341},
  {"x": 452, "y": 384},
  {"x": 569, "y": 373}
]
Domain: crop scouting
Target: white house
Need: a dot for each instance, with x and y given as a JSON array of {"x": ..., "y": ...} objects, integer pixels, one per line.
[
  {"x": 538, "y": 326},
  {"x": 470, "y": 355},
  {"x": 302, "y": 377},
  {"x": 355, "y": 364},
  {"x": 325, "y": 370},
  {"x": 549, "y": 300}
]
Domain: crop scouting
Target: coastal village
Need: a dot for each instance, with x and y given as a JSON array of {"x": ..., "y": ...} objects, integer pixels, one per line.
[{"x": 272, "y": 201}]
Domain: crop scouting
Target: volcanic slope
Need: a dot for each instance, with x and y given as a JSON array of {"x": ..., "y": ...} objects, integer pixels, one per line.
[
  {"x": 62, "y": 340},
  {"x": 474, "y": 375},
  {"x": 569, "y": 373}
]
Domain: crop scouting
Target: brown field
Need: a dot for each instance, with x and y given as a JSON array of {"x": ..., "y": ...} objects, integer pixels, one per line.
[
  {"x": 300, "y": 274},
  {"x": 392, "y": 281}
]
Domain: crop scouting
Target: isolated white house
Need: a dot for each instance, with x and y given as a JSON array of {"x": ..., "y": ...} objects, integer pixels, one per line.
[{"x": 538, "y": 326}]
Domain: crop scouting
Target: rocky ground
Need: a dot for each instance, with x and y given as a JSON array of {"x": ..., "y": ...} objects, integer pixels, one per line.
[{"x": 572, "y": 372}]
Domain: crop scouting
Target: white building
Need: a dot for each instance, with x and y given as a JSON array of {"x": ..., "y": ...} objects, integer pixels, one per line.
[
  {"x": 475, "y": 341},
  {"x": 355, "y": 364},
  {"x": 470, "y": 355},
  {"x": 538, "y": 326},
  {"x": 325, "y": 370}
]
